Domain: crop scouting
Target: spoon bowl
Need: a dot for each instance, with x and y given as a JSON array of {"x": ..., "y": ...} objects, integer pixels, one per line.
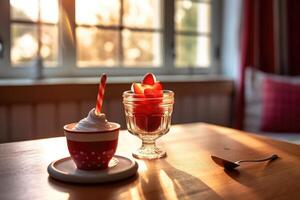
[
  {"x": 229, "y": 165},
  {"x": 224, "y": 163}
]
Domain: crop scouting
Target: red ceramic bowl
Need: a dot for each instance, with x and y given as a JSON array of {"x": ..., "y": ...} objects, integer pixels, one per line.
[{"x": 92, "y": 150}]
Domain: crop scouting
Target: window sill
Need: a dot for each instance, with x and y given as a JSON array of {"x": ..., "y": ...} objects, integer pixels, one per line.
[{"x": 113, "y": 80}]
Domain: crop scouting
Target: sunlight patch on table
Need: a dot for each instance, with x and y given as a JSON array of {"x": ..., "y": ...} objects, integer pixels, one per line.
[{"x": 167, "y": 185}]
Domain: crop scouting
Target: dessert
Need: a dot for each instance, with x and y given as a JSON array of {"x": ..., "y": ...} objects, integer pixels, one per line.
[
  {"x": 148, "y": 110},
  {"x": 92, "y": 142}
]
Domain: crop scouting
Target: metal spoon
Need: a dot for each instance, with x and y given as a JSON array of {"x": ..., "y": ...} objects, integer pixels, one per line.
[{"x": 231, "y": 165}]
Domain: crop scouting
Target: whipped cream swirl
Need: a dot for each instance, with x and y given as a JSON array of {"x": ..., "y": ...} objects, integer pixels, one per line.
[{"x": 93, "y": 122}]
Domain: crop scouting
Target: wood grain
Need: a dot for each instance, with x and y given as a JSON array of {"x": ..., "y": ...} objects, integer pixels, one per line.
[{"x": 186, "y": 173}]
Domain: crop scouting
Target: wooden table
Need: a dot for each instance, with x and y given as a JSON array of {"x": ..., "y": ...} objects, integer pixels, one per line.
[{"x": 187, "y": 173}]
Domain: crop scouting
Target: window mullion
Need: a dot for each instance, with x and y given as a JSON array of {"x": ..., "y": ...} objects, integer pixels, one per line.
[
  {"x": 39, "y": 31},
  {"x": 67, "y": 35},
  {"x": 121, "y": 50},
  {"x": 216, "y": 17},
  {"x": 168, "y": 36}
]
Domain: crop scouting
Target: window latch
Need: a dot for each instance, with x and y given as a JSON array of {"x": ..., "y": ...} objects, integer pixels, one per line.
[{"x": 1, "y": 49}]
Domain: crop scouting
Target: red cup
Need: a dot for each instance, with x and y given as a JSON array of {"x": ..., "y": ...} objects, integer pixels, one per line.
[{"x": 92, "y": 150}]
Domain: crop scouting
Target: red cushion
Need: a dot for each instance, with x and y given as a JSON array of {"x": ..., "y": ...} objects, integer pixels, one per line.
[{"x": 281, "y": 106}]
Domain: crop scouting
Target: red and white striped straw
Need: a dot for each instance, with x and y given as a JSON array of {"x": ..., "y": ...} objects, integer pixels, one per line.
[{"x": 100, "y": 95}]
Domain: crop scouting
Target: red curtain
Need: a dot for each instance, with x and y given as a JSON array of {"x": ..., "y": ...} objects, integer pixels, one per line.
[
  {"x": 293, "y": 18},
  {"x": 257, "y": 45}
]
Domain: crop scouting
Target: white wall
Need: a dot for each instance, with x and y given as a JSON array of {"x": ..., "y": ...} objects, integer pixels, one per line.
[{"x": 231, "y": 37}]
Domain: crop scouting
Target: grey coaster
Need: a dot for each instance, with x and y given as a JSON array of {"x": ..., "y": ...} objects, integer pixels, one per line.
[{"x": 66, "y": 170}]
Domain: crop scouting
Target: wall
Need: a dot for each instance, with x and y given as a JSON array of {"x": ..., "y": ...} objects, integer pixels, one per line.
[
  {"x": 230, "y": 37},
  {"x": 41, "y": 110}
]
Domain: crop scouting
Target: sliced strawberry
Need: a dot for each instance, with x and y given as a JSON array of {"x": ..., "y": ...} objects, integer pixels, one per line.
[
  {"x": 137, "y": 88},
  {"x": 147, "y": 111},
  {"x": 152, "y": 93},
  {"x": 149, "y": 79},
  {"x": 157, "y": 86},
  {"x": 149, "y": 92}
]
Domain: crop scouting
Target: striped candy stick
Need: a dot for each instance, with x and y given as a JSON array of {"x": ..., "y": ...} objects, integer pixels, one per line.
[{"x": 100, "y": 95}]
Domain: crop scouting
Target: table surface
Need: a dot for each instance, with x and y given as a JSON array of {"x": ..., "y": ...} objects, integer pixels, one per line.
[{"x": 186, "y": 173}]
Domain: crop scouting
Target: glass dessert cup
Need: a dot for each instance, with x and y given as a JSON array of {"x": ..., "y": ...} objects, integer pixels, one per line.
[{"x": 148, "y": 118}]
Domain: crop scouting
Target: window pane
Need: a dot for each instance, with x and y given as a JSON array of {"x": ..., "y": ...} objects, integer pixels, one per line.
[
  {"x": 24, "y": 10},
  {"x": 24, "y": 43},
  {"x": 96, "y": 47},
  {"x": 142, "y": 13},
  {"x": 49, "y": 11},
  {"x": 193, "y": 16},
  {"x": 98, "y": 12},
  {"x": 49, "y": 50},
  {"x": 192, "y": 51},
  {"x": 141, "y": 48}
]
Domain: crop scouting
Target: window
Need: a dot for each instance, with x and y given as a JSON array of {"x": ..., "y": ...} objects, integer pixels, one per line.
[
  {"x": 121, "y": 37},
  {"x": 193, "y": 27},
  {"x": 118, "y": 33},
  {"x": 34, "y": 31}
]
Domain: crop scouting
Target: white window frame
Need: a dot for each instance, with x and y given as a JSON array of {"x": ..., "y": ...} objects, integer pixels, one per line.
[{"x": 67, "y": 54}]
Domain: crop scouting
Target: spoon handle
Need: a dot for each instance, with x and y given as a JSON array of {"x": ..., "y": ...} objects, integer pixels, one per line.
[{"x": 272, "y": 157}]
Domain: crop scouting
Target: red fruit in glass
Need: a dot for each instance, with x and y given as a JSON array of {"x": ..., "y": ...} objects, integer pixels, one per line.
[{"x": 148, "y": 111}]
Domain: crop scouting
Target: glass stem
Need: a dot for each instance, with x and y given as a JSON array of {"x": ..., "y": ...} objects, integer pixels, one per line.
[{"x": 148, "y": 144}]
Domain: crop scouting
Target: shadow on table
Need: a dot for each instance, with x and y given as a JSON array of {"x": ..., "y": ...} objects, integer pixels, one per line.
[{"x": 163, "y": 181}]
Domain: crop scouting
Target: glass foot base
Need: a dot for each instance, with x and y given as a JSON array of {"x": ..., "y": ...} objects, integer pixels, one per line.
[{"x": 149, "y": 153}]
